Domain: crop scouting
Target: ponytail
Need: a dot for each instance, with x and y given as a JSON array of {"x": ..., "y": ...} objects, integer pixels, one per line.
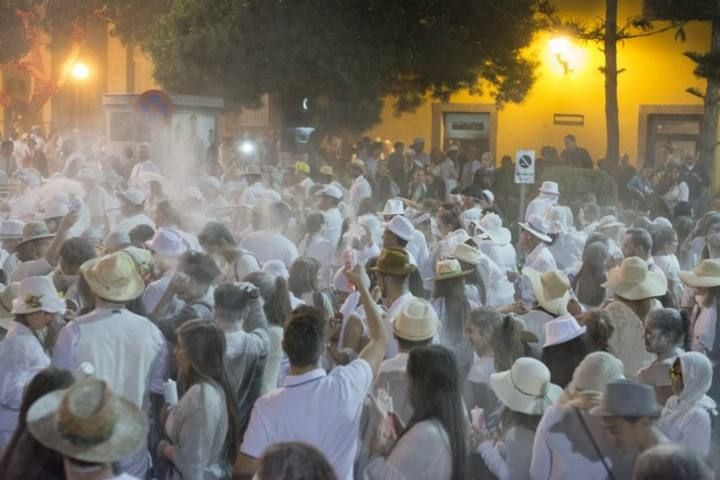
[
  {"x": 507, "y": 342},
  {"x": 277, "y": 306}
]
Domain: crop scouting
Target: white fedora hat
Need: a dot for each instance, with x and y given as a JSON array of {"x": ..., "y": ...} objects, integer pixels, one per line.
[
  {"x": 550, "y": 187},
  {"x": 491, "y": 227},
  {"x": 416, "y": 321},
  {"x": 11, "y": 230},
  {"x": 705, "y": 275},
  {"x": 537, "y": 226},
  {"x": 167, "y": 242},
  {"x": 466, "y": 253},
  {"x": 561, "y": 330},
  {"x": 526, "y": 387},
  {"x": 394, "y": 206},
  {"x": 633, "y": 280},
  {"x": 402, "y": 227},
  {"x": 330, "y": 191},
  {"x": 551, "y": 289},
  {"x": 37, "y": 294}
]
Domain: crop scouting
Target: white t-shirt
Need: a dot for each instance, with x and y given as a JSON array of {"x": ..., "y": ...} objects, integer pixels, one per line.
[
  {"x": 266, "y": 245},
  {"x": 127, "y": 224},
  {"x": 33, "y": 268},
  {"x": 320, "y": 409}
]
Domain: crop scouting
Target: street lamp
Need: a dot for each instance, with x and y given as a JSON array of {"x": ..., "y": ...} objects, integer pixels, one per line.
[
  {"x": 562, "y": 50},
  {"x": 80, "y": 72}
]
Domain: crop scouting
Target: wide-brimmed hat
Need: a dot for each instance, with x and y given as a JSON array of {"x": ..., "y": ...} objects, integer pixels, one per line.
[
  {"x": 551, "y": 289},
  {"x": 633, "y": 280},
  {"x": 113, "y": 277},
  {"x": 550, "y": 187},
  {"x": 37, "y": 294},
  {"x": 394, "y": 261},
  {"x": 402, "y": 227},
  {"x": 132, "y": 195},
  {"x": 537, "y": 226},
  {"x": 7, "y": 296},
  {"x": 626, "y": 398},
  {"x": 561, "y": 330},
  {"x": 449, "y": 268},
  {"x": 394, "y": 206},
  {"x": 88, "y": 422},
  {"x": 609, "y": 221},
  {"x": 167, "y": 242},
  {"x": 468, "y": 254},
  {"x": 330, "y": 191},
  {"x": 11, "y": 229},
  {"x": 54, "y": 210},
  {"x": 416, "y": 321},
  {"x": 491, "y": 227},
  {"x": 35, "y": 231},
  {"x": 705, "y": 275},
  {"x": 526, "y": 387}
]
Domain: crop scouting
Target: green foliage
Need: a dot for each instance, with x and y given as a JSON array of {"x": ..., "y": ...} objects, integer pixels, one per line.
[
  {"x": 576, "y": 182},
  {"x": 345, "y": 55},
  {"x": 681, "y": 9}
]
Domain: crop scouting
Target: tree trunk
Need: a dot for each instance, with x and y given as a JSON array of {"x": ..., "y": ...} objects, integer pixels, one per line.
[
  {"x": 130, "y": 67},
  {"x": 612, "y": 124},
  {"x": 709, "y": 135}
]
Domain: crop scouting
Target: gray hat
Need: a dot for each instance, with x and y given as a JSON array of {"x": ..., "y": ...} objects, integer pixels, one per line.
[{"x": 626, "y": 398}]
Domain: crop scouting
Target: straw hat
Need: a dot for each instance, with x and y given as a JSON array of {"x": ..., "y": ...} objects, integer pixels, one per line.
[
  {"x": 550, "y": 187},
  {"x": 416, "y": 321},
  {"x": 537, "y": 226},
  {"x": 394, "y": 206},
  {"x": 394, "y": 261},
  {"x": 526, "y": 387},
  {"x": 402, "y": 227},
  {"x": 35, "y": 231},
  {"x": 626, "y": 398},
  {"x": 88, "y": 422},
  {"x": 551, "y": 289},
  {"x": 113, "y": 277},
  {"x": 7, "y": 296},
  {"x": 561, "y": 330},
  {"x": 37, "y": 294},
  {"x": 11, "y": 230},
  {"x": 302, "y": 167},
  {"x": 632, "y": 280},
  {"x": 466, "y": 253},
  {"x": 491, "y": 227},
  {"x": 167, "y": 242},
  {"x": 707, "y": 274},
  {"x": 327, "y": 170},
  {"x": 450, "y": 268}
]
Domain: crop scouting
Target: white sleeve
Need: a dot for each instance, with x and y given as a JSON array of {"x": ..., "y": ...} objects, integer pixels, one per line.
[
  {"x": 494, "y": 460},
  {"x": 541, "y": 454},
  {"x": 697, "y": 431}
]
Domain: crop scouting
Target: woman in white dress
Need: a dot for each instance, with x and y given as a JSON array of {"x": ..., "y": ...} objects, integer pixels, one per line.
[
  {"x": 678, "y": 191},
  {"x": 201, "y": 427},
  {"x": 23, "y": 353}
]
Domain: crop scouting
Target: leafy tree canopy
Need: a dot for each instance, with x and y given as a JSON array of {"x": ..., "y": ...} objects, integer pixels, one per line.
[{"x": 345, "y": 55}]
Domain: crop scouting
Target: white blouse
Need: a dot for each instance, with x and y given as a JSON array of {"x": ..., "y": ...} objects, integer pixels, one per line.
[
  {"x": 691, "y": 429},
  {"x": 703, "y": 332}
]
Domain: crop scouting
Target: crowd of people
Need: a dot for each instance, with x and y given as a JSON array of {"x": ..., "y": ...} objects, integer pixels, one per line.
[{"x": 357, "y": 313}]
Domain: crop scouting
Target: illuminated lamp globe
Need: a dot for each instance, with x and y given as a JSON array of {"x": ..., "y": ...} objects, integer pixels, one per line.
[{"x": 80, "y": 71}]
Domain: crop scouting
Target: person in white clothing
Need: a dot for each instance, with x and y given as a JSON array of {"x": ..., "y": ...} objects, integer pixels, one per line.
[
  {"x": 132, "y": 210},
  {"x": 548, "y": 197},
  {"x": 314, "y": 245},
  {"x": 22, "y": 352},
  {"x": 270, "y": 243},
  {"x": 494, "y": 240},
  {"x": 218, "y": 242},
  {"x": 307, "y": 407},
  {"x": 329, "y": 199},
  {"x": 144, "y": 164},
  {"x": 167, "y": 247},
  {"x": 360, "y": 188},
  {"x": 11, "y": 236},
  {"x": 665, "y": 243},
  {"x": 533, "y": 242},
  {"x": 82, "y": 424},
  {"x": 678, "y": 190}
]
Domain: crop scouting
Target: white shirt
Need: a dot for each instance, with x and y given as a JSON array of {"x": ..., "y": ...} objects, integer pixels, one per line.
[
  {"x": 267, "y": 245},
  {"x": 670, "y": 267},
  {"x": 319, "y": 248},
  {"x": 541, "y": 260},
  {"x": 704, "y": 330},
  {"x": 691, "y": 429},
  {"x": 320, "y": 409},
  {"x": 498, "y": 289},
  {"x": 146, "y": 166},
  {"x": 10, "y": 264},
  {"x": 32, "y": 268},
  {"x": 127, "y": 224},
  {"x": 333, "y": 225},
  {"x": 540, "y": 204},
  {"x": 504, "y": 256},
  {"x": 99, "y": 201},
  {"x": 535, "y": 321},
  {"x": 567, "y": 250},
  {"x": 359, "y": 190},
  {"x": 677, "y": 193}
]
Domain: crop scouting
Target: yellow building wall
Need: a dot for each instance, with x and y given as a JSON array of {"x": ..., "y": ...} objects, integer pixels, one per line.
[{"x": 656, "y": 72}]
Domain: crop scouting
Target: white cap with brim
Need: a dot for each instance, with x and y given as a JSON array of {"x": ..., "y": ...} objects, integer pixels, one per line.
[{"x": 550, "y": 188}]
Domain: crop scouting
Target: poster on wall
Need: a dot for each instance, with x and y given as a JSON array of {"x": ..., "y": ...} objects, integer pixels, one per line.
[{"x": 467, "y": 125}]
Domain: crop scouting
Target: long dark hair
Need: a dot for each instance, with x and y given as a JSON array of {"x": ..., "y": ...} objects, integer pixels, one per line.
[
  {"x": 474, "y": 278},
  {"x": 303, "y": 275},
  {"x": 275, "y": 295},
  {"x": 435, "y": 394},
  {"x": 204, "y": 345},
  {"x": 505, "y": 333},
  {"x": 457, "y": 307},
  {"x": 24, "y": 456},
  {"x": 591, "y": 275},
  {"x": 562, "y": 359}
]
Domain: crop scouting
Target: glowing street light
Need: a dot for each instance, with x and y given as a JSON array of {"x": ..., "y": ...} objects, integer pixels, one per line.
[
  {"x": 563, "y": 51},
  {"x": 80, "y": 71}
]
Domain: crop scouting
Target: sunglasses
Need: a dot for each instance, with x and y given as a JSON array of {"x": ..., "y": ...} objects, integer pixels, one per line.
[{"x": 675, "y": 372}]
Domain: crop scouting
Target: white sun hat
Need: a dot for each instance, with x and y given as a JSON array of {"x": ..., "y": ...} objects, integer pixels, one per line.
[
  {"x": 705, "y": 275},
  {"x": 561, "y": 330},
  {"x": 633, "y": 280},
  {"x": 491, "y": 227},
  {"x": 37, "y": 294},
  {"x": 11, "y": 230},
  {"x": 537, "y": 226},
  {"x": 416, "y": 321},
  {"x": 526, "y": 387}
]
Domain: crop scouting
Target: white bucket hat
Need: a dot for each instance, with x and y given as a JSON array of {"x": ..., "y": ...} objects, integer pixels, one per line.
[
  {"x": 37, "y": 294},
  {"x": 133, "y": 195},
  {"x": 416, "y": 321},
  {"x": 550, "y": 187},
  {"x": 526, "y": 387},
  {"x": 167, "y": 242},
  {"x": 466, "y": 253},
  {"x": 561, "y": 330},
  {"x": 402, "y": 227},
  {"x": 706, "y": 275},
  {"x": 551, "y": 289},
  {"x": 537, "y": 226},
  {"x": 11, "y": 230},
  {"x": 491, "y": 227},
  {"x": 633, "y": 280},
  {"x": 394, "y": 206}
]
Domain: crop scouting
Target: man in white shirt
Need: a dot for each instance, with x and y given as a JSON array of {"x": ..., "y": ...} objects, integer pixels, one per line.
[
  {"x": 548, "y": 197},
  {"x": 330, "y": 198},
  {"x": 270, "y": 243},
  {"x": 360, "y": 188},
  {"x": 637, "y": 242},
  {"x": 96, "y": 197},
  {"x": 144, "y": 164},
  {"x": 533, "y": 242},
  {"x": 132, "y": 210},
  {"x": 320, "y": 409}
]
